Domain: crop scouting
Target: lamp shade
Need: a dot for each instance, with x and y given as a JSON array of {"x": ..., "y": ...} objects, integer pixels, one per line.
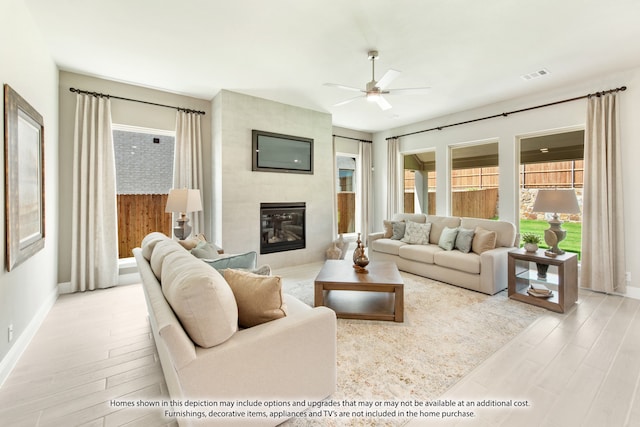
[
  {"x": 556, "y": 201},
  {"x": 183, "y": 200}
]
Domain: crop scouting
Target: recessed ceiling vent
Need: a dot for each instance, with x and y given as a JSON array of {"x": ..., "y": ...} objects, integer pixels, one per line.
[{"x": 540, "y": 73}]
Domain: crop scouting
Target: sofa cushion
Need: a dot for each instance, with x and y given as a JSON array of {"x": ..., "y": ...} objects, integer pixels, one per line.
[
  {"x": 160, "y": 252},
  {"x": 387, "y": 246},
  {"x": 247, "y": 261},
  {"x": 200, "y": 297},
  {"x": 416, "y": 233},
  {"x": 464, "y": 239},
  {"x": 259, "y": 298},
  {"x": 456, "y": 260},
  {"x": 506, "y": 231},
  {"x": 483, "y": 240},
  {"x": 438, "y": 223},
  {"x": 448, "y": 238},
  {"x": 420, "y": 253},
  {"x": 150, "y": 241}
]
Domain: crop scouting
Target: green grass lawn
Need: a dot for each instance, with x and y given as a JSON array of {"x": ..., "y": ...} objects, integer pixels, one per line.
[{"x": 570, "y": 244}]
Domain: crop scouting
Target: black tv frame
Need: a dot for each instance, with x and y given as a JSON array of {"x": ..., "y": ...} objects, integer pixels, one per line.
[{"x": 258, "y": 143}]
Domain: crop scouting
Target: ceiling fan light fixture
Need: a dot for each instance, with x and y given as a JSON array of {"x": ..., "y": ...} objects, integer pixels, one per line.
[{"x": 373, "y": 96}]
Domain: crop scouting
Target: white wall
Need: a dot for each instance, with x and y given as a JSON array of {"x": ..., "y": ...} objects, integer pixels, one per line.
[
  {"x": 239, "y": 190},
  {"x": 124, "y": 113},
  {"x": 507, "y": 131},
  {"x": 29, "y": 290}
]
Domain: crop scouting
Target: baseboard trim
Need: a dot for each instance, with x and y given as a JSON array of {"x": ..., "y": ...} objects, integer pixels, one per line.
[{"x": 22, "y": 342}]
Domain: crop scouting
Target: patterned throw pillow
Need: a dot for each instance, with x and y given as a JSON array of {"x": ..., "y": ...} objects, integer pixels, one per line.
[
  {"x": 416, "y": 233},
  {"x": 448, "y": 238}
]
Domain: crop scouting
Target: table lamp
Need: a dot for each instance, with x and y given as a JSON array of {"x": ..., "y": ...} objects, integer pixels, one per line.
[
  {"x": 556, "y": 201},
  {"x": 183, "y": 201}
]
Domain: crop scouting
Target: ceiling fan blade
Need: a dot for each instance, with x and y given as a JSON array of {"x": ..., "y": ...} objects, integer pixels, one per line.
[
  {"x": 409, "y": 91},
  {"x": 383, "y": 103},
  {"x": 354, "y": 89},
  {"x": 346, "y": 101},
  {"x": 388, "y": 77}
]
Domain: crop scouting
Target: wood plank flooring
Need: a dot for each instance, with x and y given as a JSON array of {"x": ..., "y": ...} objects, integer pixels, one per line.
[
  {"x": 91, "y": 348},
  {"x": 581, "y": 368},
  {"x": 576, "y": 369}
]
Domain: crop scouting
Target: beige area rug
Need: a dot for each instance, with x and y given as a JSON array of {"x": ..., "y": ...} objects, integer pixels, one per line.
[{"x": 446, "y": 333}]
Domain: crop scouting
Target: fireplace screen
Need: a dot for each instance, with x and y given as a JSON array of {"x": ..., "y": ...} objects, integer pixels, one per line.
[{"x": 282, "y": 227}]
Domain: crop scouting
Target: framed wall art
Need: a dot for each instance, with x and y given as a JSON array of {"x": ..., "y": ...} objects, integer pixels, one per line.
[{"x": 24, "y": 178}]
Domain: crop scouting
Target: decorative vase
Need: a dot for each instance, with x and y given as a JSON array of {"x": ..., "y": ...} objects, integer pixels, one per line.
[
  {"x": 542, "y": 271},
  {"x": 334, "y": 251},
  {"x": 361, "y": 263},
  {"x": 359, "y": 250},
  {"x": 530, "y": 247},
  {"x": 342, "y": 245}
]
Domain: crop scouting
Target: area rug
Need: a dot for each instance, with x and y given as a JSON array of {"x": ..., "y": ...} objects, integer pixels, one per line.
[{"x": 446, "y": 333}]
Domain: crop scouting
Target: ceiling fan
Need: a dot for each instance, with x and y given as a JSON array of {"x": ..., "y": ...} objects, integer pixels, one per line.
[{"x": 375, "y": 89}]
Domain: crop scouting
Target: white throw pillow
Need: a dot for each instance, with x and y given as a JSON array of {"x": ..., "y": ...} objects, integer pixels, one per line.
[{"x": 416, "y": 233}]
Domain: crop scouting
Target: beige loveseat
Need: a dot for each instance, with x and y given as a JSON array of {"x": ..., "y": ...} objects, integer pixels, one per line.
[
  {"x": 482, "y": 269},
  {"x": 291, "y": 358}
]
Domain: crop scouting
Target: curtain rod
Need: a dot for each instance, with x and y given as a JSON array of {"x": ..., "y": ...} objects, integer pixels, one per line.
[
  {"x": 620, "y": 89},
  {"x": 354, "y": 139},
  {"x": 97, "y": 94}
]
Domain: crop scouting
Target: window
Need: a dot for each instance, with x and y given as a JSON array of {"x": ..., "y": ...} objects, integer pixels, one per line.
[
  {"x": 548, "y": 162},
  {"x": 474, "y": 181},
  {"x": 144, "y": 176},
  {"x": 420, "y": 183},
  {"x": 346, "y": 166}
]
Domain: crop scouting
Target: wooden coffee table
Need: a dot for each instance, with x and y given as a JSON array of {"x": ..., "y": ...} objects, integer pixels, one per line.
[{"x": 376, "y": 295}]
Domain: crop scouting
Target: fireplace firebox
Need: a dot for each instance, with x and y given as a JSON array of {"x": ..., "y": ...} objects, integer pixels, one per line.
[{"x": 282, "y": 227}]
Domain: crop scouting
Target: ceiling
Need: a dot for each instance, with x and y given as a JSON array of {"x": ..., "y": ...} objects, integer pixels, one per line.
[{"x": 471, "y": 53}]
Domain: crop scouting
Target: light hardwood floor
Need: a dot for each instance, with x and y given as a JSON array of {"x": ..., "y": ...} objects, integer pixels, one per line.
[{"x": 575, "y": 369}]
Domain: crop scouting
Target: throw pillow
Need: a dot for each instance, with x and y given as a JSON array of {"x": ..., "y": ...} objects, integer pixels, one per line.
[
  {"x": 388, "y": 228},
  {"x": 205, "y": 250},
  {"x": 398, "y": 230},
  {"x": 448, "y": 238},
  {"x": 483, "y": 240},
  {"x": 464, "y": 239},
  {"x": 259, "y": 298},
  {"x": 247, "y": 260},
  {"x": 416, "y": 233}
]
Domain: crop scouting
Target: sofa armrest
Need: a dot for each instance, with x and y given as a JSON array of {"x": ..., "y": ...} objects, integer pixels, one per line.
[
  {"x": 493, "y": 270},
  {"x": 375, "y": 236},
  {"x": 291, "y": 357}
]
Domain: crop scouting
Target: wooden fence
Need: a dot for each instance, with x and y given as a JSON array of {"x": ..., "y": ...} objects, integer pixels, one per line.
[
  {"x": 473, "y": 204},
  {"x": 346, "y": 212},
  {"x": 138, "y": 215}
]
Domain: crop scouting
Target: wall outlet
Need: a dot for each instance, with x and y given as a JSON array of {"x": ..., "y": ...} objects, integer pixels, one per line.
[
  {"x": 10, "y": 334},
  {"x": 627, "y": 277}
]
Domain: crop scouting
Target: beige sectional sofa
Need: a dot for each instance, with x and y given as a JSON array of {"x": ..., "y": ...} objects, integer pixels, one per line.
[
  {"x": 205, "y": 354},
  {"x": 482, "y": 269}
]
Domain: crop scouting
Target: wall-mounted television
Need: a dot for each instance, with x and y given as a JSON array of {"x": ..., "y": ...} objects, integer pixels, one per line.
[{"x": 274, "y": 152}]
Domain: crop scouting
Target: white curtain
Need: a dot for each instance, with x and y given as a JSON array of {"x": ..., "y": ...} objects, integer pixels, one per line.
[
  {"x": 187, "y": 167},
  {"x": 603, "y": 258},
  {"x": 94, "y": 246},
  {"x": 365, "y": 208},
  {"x": 395, "y": 168}
]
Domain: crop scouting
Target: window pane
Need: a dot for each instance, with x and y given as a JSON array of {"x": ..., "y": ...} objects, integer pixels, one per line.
[
  {"x": 420, "y": 183},
  {"x": 475, "y": 181},
  {"x": 346, "y": 193}
]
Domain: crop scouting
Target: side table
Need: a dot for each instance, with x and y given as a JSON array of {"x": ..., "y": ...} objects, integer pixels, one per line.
[{"x": 523, "y": 273}]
